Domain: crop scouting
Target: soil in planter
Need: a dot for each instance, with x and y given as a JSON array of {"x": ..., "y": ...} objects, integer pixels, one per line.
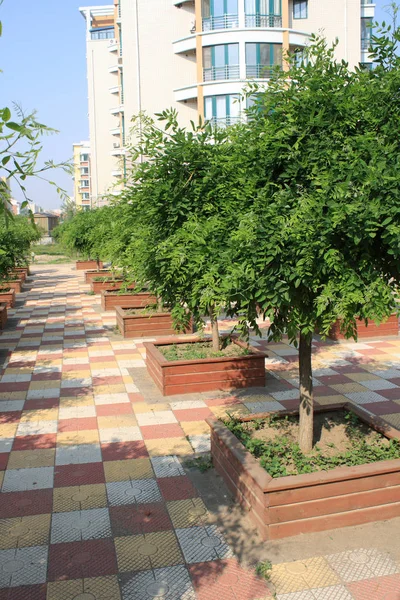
[
  {"x": 199, "y": 350},
  {"x": 147, "y": 311},
  {"x": 340, "y": 439},
  {"x": 5, "y": 290}
]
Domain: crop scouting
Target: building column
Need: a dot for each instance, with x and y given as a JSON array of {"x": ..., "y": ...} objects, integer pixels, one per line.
[
  {"x": 241, "y": 12},
  {"x": 199, "y": 58},
  {"x": 285, "y": 26}
]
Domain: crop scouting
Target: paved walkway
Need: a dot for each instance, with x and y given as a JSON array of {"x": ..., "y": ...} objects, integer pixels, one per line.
[{"x": 97, "y": 502}]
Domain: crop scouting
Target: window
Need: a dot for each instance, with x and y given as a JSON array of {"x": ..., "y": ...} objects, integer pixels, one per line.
[
  {"x": 84, "y": 157},
  {"x": 261, "y": 59},
  {"x": 85, "y": 196},
  {"x": 221, "y": 62},
  {"x": 263, "y": 13},
  {"x": 219, "y": 14},
  {"x": 300, "y": 9},
  {"x": 107, "y": 33},
  {"x": 222, "y": 110},
  {"x": 84, "y": 170},
  {"x": 85, "y": 183},
  {"x": 366, "y": 32}
]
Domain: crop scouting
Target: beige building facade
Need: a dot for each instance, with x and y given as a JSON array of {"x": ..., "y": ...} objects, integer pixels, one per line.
[
  {"x": 196, "y": 56},
  {"x": 82, "y": 176}
]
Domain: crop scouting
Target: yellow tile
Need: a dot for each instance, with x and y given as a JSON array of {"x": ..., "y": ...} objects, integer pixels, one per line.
[
  {"x": 109, "y": 389},
  {"x": 9, "y": 430},
  {"x": 150, "y": 551},
  {"x": 167, "y": 446},
  {"x": 68, "y": 438},
  {"x": 235, "y": 409},
  {"x": 13, "y": 395},
  {"x": 359, "y": 377},
  {"x": 24, "y": 531},
  {"x": 102, "y": 588},
  {"x": 331, "y": 399},
  {"x": 194, "y": 427},
  {"x": 124, "y": 470},
  {"x": 44, "y": 385},
  {"x": 348, "y": 388},
  {"x": 41, "y": 414},
  {"x": 127, "y": 379},
  {"x": 84, "y": 497},
  {"x": 302, "y": 575},
  {"x": 25, "y": 459},
  {"x": 116, "y": 421},
  {"x": 144, "y": 407},
  {"x": 1, "y": 477},
  {"x": 66, "y": 402},
  {"x": 19, "y": 371},
  {"x": 65, "y": 590},
  {"x": 187, "y": 513}
]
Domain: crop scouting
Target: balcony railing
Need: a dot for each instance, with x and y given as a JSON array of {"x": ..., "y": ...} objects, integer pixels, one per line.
[
  {"x": 224, "y": 72},
  {"x": 224, "y": 121},
  {"x": 259, "y": 71},
  {"x": 263, "y": 20},
  {"x": 365, "y": 43},
  {"x": 222, "y": 22}
]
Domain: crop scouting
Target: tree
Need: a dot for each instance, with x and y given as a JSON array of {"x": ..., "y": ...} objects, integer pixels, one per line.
[
  {"x": 16, "y": 237},
  {"x": 319, "y": 240},
  {"x": 76, "y": 235}
]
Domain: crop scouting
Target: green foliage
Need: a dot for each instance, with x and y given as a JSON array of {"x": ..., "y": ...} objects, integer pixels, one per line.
[
  {"x": 281, "y": 457},
  {"x": 16, "y": 236},
  {"x": 263, "y": 569},
  {"x": 202, "y": 463},
  {"x": 199, "y": 351},
  {"x": 49, "y": 249}
]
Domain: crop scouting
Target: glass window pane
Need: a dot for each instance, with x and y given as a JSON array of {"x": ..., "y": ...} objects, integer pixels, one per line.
[
  {"x": 207, "y": 62},
  {"x": 219, "y": 8},
  {"x": 208, "y": 111},
  {"x": 251, "y": 54},
  {"x": 265, "y": 54},
  {"x": 220, "y": 107},
  {"x": 233, "y": 54},
  {"x": 232, "y": 7},
  {"x": 277, "y": 55},
  {"x": 219, "y": 55},
  {"x": 206, "y": 8},
  {"x": 250, "y": 7},
  {"x": 234, "y": 106}
]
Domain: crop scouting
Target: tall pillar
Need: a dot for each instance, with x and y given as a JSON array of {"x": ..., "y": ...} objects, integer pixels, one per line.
[
  {"x": 199, "y": 58},
  {"x": 285, "y": 26}
]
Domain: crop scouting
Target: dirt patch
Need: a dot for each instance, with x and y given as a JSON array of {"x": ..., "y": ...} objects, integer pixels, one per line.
[
  {"x": 145, "y": 312},
  {"x": 199, "y": 350}
]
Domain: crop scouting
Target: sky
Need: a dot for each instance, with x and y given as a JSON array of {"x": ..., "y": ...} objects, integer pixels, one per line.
[{"x": 43, "y": 59}]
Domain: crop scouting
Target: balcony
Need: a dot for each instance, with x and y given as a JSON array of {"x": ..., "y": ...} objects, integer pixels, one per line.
[
  {"x": 221, "y": 73},
  {"x": 115, "y": 131},
  {"x": 259, "y": 71},
  {"x": 113, "y": 46},
  {"x": 115, "y": 89},
  {"x": 221, "y": 22},
  {"x": 117, "y": 173},
  {"x": 117, "y": 110},
  {"x": 264, "y": 21},
  {"x": 224, "y": 121},
  {"x": 365, "y": 43}
]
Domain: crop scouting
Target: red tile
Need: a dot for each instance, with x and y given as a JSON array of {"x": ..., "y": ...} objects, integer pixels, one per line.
[
  {"x": 349, "y": 369},
  {"x": 136, "y": 398},
  {"x": 75, "y": 560},
  {"x": 384, "y": 408},
  {"x": 222, "y": 401},
  {"x": 176, "y": 488},
  {"x": 3, "y": 462},
  {"x": 22, "y": 504},
  {"x": 14, "y": 386},
  {"x": 69, "y": 368},
  {"x": 43, "y": 441},
  {"x": 290, "y": 404},
  {"x": 107, "y": 380},
  {"x": 124, "y": 450},
  {"x": 46, "y": 376},
  {"x": 9, "y": 417},
  {"x": 193, "y": 414},
  {"x": 324, "y": 390},
  {"x": 51, "y": 356},
  {"x": 159, "y": 432},
  {"x": 391, "y": 394},
  {"x": 227, "y": 580},
  {"x": 42, "y": 403},
  {"x": 379, "y": 588},
  {"x": 395, "y": 380},
  {"x": 102, "y": 359},
  {"x": 108, "y": 410},
  {"x": 135, "y": 519},
  {"x": 86, "y": 423},
  {"x": 68, "y": 475},
  {"x": 17, "y": 364},
  {"x": 76, "y": 392},
  {"x": 25, "y": 592}
]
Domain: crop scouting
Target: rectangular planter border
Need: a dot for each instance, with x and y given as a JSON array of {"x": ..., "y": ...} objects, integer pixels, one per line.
[
  {"x": 98, "y": 286},
  {"x": 8, "y": 298},
  {"x": 3, "y": 315},
  {"x": 160, "y": 323},
  {"x": 15, "y": 284},
  {"x": 390, "y": 327},
  {"x": 89, "y": 275},
  {"x": 82, "y": 265},
  {"x": 208, "y": 374},
  {"x": 286, "y": 506},
  {"x": 143, "y": 299}
]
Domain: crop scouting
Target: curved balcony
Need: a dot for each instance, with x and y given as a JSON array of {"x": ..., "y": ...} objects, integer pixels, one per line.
[
  {"x": 221, "y": 73},
  {"x": 221, "y": 22},
  {"x": 187, "y": 44},
  {"x": 186, "y": 93}
]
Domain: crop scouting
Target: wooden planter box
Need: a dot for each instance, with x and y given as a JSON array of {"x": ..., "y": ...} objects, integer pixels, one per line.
[
  {"x": 90, "y": 275},
  {"x": 109, "y": 300},
  {"x": 23, "y": 270},
  {"x": 389, "y": 327},
  {"x": 97, "y": 286},
  {"x": 83, "y": 265},
  {"x": 18, "y": 274},
  {"x": 15, "y": 284},
  {"x": 8, "y": 298},
  {"x": 151, "y": 325},
  {"x": 287, "y": 506},
  {"x": 203, "y": 375},
  {"x": 3, "y": 315}
]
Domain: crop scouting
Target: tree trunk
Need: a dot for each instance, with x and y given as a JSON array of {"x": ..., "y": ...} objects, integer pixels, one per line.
[
  {"x": 98, "y": 264},
  {"x": 306, "y": 416},
  {"x": 214, "y": 330},
  {"x": 160, "y": 304}
]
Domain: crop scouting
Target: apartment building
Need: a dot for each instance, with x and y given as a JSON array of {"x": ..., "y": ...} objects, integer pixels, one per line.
[
  {"x": 196, "y": 56},
  {"x": 82, "y": 176}
]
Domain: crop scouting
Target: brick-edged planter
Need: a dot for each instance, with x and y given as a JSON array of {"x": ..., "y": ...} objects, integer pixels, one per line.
[
  {"x": 83, "y": 265},
  {"x": 206, "y": 374},
  {"x": 142, "y": 325},
  {"x": 3, "y": 315},
  {"x": 25, "y": 270},
  {"x": 98, "y": 286},
  {"x": 90, "y": 275},
  {"x": 19, "y": 274},
  {"x": 15, "y": 284},
  {"x": 288, "y": 506},
  {"x": 389, "y": 327},
  {"x": 8, "y": 297},
  {"x": 110, "y": 300}
]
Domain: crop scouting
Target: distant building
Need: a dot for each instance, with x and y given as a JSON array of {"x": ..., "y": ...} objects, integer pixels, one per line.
[
  {"x": 82, "y": 176},
  {"x": 47, "y": 221}
]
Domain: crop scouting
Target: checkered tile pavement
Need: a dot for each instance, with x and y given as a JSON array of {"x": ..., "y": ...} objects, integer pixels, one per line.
[{"x": 95, "y": 502}]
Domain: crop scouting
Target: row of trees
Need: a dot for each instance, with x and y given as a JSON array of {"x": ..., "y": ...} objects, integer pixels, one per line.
[
  {"x": 295, "y": 213},
  {"x": 16, "y": 236}
]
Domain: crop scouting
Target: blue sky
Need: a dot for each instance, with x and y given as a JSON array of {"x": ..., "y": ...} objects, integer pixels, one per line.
[{"x": 43, "y": 58}]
